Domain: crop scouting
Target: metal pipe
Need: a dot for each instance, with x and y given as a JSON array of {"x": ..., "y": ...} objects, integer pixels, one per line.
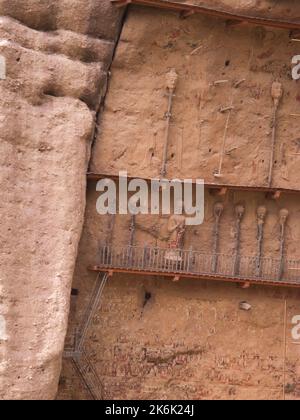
[
  {"x": 239, "y": 213},
  {"x": 171, "y": 80},
  {"x": 218, "y": 211},
  {"x": 229, "y": 109},
  {"x": 261, "y": 216},
  {"x": 284, "y": 213},
  {"x": 132, "y": 230},
  {"x": 276, "y": 93}
]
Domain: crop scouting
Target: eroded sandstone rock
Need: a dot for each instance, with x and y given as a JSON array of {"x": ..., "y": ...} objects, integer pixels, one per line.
[{"x": 57, "y": 65}]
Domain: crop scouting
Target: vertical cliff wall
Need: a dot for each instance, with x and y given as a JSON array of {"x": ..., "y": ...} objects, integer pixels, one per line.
[
  {"x": 151, "y": 338},
  {"x": 57, "y": 56},
  {"x": 171, "y": 340}
]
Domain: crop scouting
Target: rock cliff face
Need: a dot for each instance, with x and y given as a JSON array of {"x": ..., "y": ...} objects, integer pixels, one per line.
[
  {"x": 57, "y": 56},
  {"x": 175, "y": 340}
]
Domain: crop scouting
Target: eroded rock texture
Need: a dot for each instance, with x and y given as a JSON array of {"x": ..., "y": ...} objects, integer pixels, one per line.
[{"x": 57, "y": 55}]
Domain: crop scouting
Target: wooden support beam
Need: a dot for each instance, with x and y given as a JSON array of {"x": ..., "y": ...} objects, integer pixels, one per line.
[
  {"x": 121, "y": 3},
  {"x": 186, "y": 8},
  {"x": 277, "y": 195},
  {"x": 234, "y": 23},
  {"x": 186, "y": 13},
  {"x": 214, "y": 188},
  {"x": 295, "y": 35},
  {"x": 198, "y": 277},
  {"x": 246, "y": 285}
]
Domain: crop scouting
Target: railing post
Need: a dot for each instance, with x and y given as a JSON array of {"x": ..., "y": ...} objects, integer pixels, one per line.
[
  {"x": 218, "y": 211},
  {"x": 283, "y": 220},
  {"x": 261, "y": 217},
  {"x": 239, "y": 212}
]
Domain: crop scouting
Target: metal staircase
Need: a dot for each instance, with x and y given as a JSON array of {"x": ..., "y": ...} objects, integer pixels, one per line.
[
  {"x": 89, "y": 377},
  {"x": 79, "y": 357}
]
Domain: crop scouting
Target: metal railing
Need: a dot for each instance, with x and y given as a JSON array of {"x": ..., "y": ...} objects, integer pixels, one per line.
[{"x": 183, "y": 262}]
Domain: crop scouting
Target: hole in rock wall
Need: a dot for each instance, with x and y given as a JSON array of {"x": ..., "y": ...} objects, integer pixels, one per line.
[{"x": 147, "y": 297}]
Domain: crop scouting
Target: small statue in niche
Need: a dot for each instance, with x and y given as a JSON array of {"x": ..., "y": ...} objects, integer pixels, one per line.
[
  {"x": 239, "y": 212},
  {"x": 171, "y": 80},
  {"x": 176, "y": 232},
  {"x": 283, "y": 216},
  {"x": 276, "y": 93},
  {"x": 218, "y": 210}
]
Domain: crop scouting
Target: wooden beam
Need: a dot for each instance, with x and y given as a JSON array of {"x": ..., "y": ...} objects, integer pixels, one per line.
[
  {"x": 199, "y": 277},
  {"x": 212, "y": 12},
  {"x": 186, "y": 13},
  {"x": 234, "y": 23},
  {"x": 215, "y": 188},
  {"x": 221, "y": 191},
  {"x": 121, "y": 3}
]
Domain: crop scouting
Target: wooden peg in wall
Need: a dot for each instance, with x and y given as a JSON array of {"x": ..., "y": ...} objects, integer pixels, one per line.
[
  {"x": 121, "y": 3},
  {"x": 275, "y": 195},
  {"x": 234, "y": 22},
  {"x": 186, "y": 13},
  {"x": 222, "y": 191}
]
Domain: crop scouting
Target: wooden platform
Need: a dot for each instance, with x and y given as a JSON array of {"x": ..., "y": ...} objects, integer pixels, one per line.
[
  {"x": 220, "y": 189},
  {"x": 187, "y": 9}
]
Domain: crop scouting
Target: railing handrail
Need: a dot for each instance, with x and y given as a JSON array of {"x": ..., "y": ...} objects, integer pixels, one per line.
[
  {"x": 189, "y": 261},
  {"x": 193, "y": 251}
]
